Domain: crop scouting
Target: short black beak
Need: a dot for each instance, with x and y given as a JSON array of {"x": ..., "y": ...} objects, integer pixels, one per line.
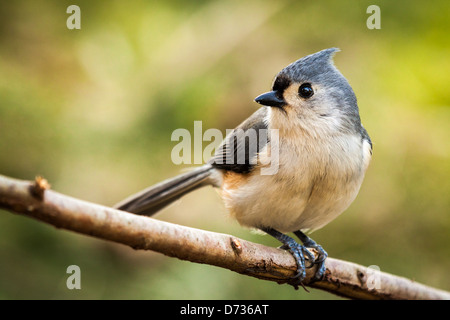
[{"x": 270, "y": 99}]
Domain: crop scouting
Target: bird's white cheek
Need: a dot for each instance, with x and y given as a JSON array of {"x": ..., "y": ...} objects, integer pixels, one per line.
[{"x": 291, "y": 96}]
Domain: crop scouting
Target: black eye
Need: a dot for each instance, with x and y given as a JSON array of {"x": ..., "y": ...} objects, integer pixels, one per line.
[{"x": 305, "y": 90}]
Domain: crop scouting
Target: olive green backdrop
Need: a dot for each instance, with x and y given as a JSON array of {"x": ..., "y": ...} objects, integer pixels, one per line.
[{"x": 92, "y": 110}]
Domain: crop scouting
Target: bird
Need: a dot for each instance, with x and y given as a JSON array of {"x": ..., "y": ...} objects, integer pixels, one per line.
[{"x": 310, "y": 123}]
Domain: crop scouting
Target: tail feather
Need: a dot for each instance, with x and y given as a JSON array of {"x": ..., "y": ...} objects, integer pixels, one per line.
[{"x": 154, "y": 198}]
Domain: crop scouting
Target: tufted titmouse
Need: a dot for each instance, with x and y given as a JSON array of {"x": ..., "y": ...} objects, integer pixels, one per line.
[{"x": 323, "y": 153}]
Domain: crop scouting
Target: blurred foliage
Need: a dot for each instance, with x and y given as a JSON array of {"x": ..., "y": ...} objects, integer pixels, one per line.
[{"x": 92, "y": 110}]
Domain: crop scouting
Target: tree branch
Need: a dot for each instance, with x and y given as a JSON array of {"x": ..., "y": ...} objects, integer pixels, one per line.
[{"x": 343, "y": 278}]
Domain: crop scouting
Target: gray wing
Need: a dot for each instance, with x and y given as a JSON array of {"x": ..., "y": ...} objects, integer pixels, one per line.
[{"x": 238, "y": 152}]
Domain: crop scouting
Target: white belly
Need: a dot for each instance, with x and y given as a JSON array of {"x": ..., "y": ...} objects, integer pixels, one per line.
[{"x": 315, "y": 185}]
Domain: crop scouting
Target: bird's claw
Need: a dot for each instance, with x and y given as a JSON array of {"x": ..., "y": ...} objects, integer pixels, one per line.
[
  {"x": 301, "y": 254},
  {"x": 320, "y": 261}
]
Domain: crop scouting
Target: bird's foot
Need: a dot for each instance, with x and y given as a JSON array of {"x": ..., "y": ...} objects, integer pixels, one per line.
[
  {"x": 301, "y": 255},
  {"x": 322, "y": 255}
]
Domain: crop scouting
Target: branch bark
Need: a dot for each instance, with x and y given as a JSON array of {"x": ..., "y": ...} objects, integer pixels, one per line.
[{"x": 34, "y": 199}]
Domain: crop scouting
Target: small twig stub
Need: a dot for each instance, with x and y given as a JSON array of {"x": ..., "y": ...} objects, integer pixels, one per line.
[{"x": 39, "y": 186}]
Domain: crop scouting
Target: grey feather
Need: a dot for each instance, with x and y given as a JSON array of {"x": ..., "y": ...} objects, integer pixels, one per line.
[
  {"x": 237, "y": 152},
  {"x": 154, "y": 198}
]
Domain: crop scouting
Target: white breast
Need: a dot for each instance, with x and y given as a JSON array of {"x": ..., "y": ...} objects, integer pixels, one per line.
[{"x": 316, "y": 181}]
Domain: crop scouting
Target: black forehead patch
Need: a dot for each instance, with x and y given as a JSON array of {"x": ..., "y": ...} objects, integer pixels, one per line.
[{"x": 281, "y": 83}]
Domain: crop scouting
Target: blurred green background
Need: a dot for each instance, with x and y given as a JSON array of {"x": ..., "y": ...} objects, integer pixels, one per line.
[{"x": 92, "y": 110}]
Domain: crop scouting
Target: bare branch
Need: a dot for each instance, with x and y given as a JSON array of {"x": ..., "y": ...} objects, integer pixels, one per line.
[{"x": 35, "y": 200}]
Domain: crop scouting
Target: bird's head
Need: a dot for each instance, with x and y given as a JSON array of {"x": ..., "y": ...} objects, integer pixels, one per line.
[{"x": 312, "y": 92}]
